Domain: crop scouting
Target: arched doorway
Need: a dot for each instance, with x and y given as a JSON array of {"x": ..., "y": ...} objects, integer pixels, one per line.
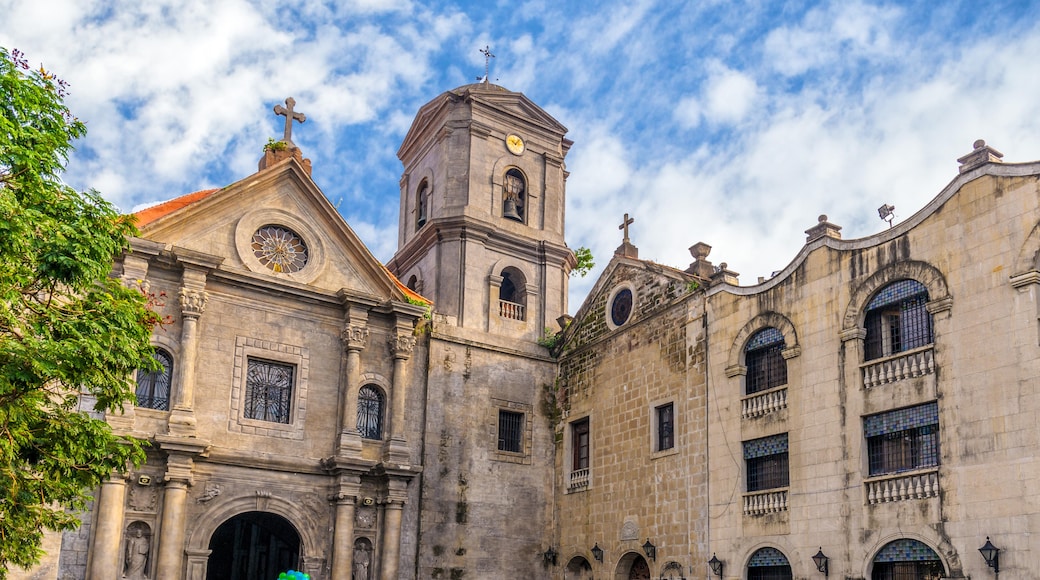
[
  {"x": 578, "y": 569},
  {"x": 632, "y": 566},
  {"x": 253, "y": 545}
]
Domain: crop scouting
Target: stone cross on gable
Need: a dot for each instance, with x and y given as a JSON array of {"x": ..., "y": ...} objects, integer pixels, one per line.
[
  {"x": 290, "y": 116},
  {"x": 624, "y": 226}
]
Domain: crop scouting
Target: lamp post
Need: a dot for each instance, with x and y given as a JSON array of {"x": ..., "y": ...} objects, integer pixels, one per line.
[
  {"x": 716, "y": 565},
  {"x": 550, "y": 557},
  {"x": 821, "y": 560},
  {"x": 991, "y": 554}
]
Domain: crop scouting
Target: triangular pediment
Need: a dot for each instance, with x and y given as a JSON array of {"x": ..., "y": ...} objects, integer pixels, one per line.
[
  {"x": 650, "y": 285},
  {"x": 249, "y": 223}
]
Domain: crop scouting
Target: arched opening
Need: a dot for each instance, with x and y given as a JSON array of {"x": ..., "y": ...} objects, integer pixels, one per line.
[
  {"x": 907, "y": 559},
  {"x": 413, "y": 281},
  {"x": 769, "y": 564},
  {"x": 512, "y": 294},
  {"x": 514, "y": 195},
  {"x": 370, "y": 412},
  {"x": 253, "y": 545},
  {"x": 763, "y": 356},
  {"x": 897, "y": 320},
  {"x": 153, "y": 387},
  {"x": 632, "y": 566},
  {"x": 421, "y": 196},
  {"x": 578, "y": 569}
]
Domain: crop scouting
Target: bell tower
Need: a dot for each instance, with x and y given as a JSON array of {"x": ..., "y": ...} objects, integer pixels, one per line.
[{"x": 481, "y": 229}]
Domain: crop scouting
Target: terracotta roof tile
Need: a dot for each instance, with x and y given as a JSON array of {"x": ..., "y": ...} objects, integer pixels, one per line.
[
  {"x": 151, "y": 214},
  {"x": 407, "y": 291}
]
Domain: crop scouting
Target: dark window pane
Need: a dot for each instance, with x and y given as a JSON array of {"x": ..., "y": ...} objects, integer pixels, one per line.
[
  {"x": 580, "y": 444},
  {"x": 665, "y": 427},
  {"x": 268, "y": 390},
  {"x": 767, "y": 462},
  {"x": 153, "y": 388},
  {"x": 510, "y": 431},
  {"x": 370, "y": 413},
  {"x": 897, "y": 320},
  {"x": 903, "y": 439},
  {"x": 766, "y": 367}
]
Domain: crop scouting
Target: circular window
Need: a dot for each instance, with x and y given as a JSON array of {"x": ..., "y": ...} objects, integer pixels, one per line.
[
  {"x": 621, "y": 307},
  {"x": 280, "y": 249}
]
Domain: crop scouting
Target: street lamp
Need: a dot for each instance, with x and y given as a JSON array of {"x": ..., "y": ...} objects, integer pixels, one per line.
[
  {"x": 650, "y": 549},
  {"x": 597, "y": 552},
  {"x": 991, "y": 554},
  {"x": 821, "y": 559},
  {"x": 716, "y": 565}
]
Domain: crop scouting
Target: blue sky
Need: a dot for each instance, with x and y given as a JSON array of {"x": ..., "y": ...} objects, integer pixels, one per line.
[{"x": 732, "y": 123}]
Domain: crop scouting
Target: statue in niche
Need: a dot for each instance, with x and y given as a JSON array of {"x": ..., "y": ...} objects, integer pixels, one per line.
[
  {"x": 362, "y": 559},
  {"x": 137, "y": 549}
]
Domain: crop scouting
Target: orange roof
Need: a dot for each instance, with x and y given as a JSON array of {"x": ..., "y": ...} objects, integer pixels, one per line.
[
  {"x": 150, "y": 214},
  {"x": 407, "y": 291}
]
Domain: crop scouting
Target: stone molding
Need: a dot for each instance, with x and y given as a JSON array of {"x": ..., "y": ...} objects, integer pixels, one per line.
[{"x": 193, "y": 302}]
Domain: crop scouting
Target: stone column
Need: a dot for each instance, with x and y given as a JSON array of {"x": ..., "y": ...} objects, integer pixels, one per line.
[
  {"x": 391, "y": 544},
  {"x": 343, "y": 536},
  {"x": 401, "y": 347},
  {"x": 355, "y": 338},
  {"x": 182, "y": 416},
  {"x": 106, "y": 560},
  {"x": 179, "y": 466}
]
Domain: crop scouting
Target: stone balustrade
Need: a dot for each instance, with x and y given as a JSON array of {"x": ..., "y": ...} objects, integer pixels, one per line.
[
  {"x": 578, "y": 479},
  {"x": 902, "y": 487},
  {"x": 765, "y": 502},
  {"x": 510, "y": 310},
  {"x": 905, "y": 365},
  {"x": 760, "y": 404}
]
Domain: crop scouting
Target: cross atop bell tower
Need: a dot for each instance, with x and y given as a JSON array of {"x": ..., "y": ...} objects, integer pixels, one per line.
[{"x": 481, "y": 229}]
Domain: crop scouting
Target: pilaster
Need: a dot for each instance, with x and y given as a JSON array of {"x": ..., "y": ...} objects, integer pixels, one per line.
[{"x": 105, "y": 559}]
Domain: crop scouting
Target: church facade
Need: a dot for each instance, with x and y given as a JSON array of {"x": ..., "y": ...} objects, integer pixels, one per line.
[{"x": 873, "y": 405}]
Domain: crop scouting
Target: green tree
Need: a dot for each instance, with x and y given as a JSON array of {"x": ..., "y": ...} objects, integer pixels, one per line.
[
  {"x": 66, "y": 326},
  {"x": 584, "y": 257}
]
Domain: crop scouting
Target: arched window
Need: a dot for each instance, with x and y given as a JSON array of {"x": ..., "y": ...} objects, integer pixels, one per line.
[
  {"x": 370, "y": 412},
  {"x": 766, "y": 367},
  {"x": 769, "y": 564},
  {"x": 906, "y": 559},
  {"x": 897, "y": 320},
  {"x": 514, "y": 195},
  {"x": 421, "y": 198},
  {"x": 153, "y": 388},
  {"x": 512, "y": 294},
  {"x": 413, "y": 281}
]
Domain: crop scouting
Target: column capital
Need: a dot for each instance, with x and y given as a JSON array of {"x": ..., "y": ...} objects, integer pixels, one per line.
[
  {"x": 354, "y": 337},
  {"x": 401, "y": 346},
  {"x": 193, "y": 302}
]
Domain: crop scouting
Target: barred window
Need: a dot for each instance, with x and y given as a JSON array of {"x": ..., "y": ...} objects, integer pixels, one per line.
[
  {"x": 763, "y": 356},
  {"x": 897, "y": 320},
  {"x": 767, "y": 464},
  {"x": 580, "y": 444},
  {"x": 903, "y": 440},
  {"x": 370, "y": 412},
  {"x": 153, "y": 388},
  {"x": 510, "y": 431},
  {"x": 769, "y": 564},
  {"x": 268, "y": 391},
  {"x": 907, "y": 559},
  {"x": 665, "y": 418}
]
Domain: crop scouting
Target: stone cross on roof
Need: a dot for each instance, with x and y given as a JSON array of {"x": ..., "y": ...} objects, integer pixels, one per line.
[
  {"x": 290, "y": 116},
  {"x": 486, "y": 51},
  {"x": 626, "y": 248},
  {"x": 624, "y": 226}
]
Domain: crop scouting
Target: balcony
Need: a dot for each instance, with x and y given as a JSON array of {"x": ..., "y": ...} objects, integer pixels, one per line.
[
  {"x": 578, "y": 480},
  {"x": 510, "y": 310},
  {"x": 903, "y": 487},
  {"x": 905, "y": 365},
  {"x": 765, "y": 502},
  {"x": 760, "y": 404}
]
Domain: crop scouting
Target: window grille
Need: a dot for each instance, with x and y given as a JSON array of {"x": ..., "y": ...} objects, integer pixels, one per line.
[
  {"x": 903, "y": 440},
  {"x": 897, "y": 320},
  {"x": 370, "y": 413},
  {"x": 907, "y": 559},
  {"x": 268, "y": 390},
  {"x": 665, "y": 427},
  {"x": 767, "y": 463},
  {"x": 763, "y": 356},
  {"x": 153, "y": 388},
  {"x": 510, "y": 431},
  {"x": 769, "y": 564},
  {"x": 580, "y": 444}
]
